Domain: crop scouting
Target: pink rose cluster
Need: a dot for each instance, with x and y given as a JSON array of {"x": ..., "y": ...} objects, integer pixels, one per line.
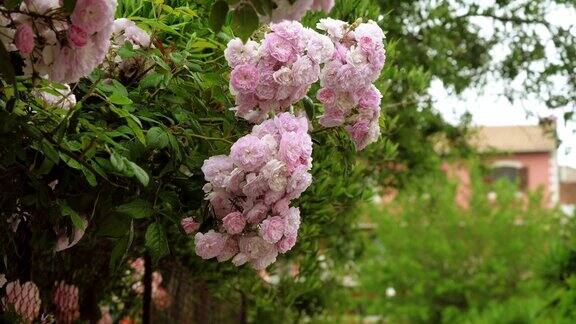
[
  {"x": 272, "y": 75},
  {"x": 65, "y": 297},
  {"x": 125, "y": 30},
  {"x": 278, "y": 71},
  {"x": 61, "y": 47},
  {"x": 347, "y": 92},
  {"x": 250, "y": 192}
]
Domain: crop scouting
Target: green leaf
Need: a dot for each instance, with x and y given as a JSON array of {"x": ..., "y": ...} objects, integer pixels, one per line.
[
  {"x": 151, "y": 80},
  {"x": 244, "y": 21},
  {"x": 156, "y": 137},
  {"x": 140, "y": 174},
  {"x": 120, "y": 250},
  {"x": 89, "y": 176},
  {"x": 136, "y": 129},
  {"x": 119, "y": 99},
  {"x": 12, "y": 4},
  {"x": 156, "y": 241},
  {"x": 70, "y": 161},
  {"x": 309, "y": 107},
  {"x": 117, "y": 162},
  {"x": 49, "y": 150},
  {"x": 77, "y": 221},
  {"x": 126, "y": 51},
  {"x": 113, "y": 225},
  {"x": 69, "y": 5},
  {"x": 6, "y": 68},
  {"x": 218, "y": 14},
  {"x": 138, "y": 208}
]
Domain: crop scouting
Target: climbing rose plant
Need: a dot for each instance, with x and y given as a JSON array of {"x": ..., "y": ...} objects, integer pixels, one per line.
[
  {"x": 251, "y": 190},
  {"x": 270, "y": 76}
]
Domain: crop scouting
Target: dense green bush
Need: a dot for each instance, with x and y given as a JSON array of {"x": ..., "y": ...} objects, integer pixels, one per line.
[{"x": 443, "y": 261}]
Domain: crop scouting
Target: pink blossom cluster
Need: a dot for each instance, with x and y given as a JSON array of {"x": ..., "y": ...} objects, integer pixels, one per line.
[
  {"x": 250, "y": 192},
  {"x": 23, "y": 300},
  {"x": 56, "y": 45},
  {"x": 278, "y": 71},
  {"x": 272, "y": 75},
  {"x": 65, "y": 297},
  {"x": 347, "y": 91},
  {"x": 125, "y": 30}
]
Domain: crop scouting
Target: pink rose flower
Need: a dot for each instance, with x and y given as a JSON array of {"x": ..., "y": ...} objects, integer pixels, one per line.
[
  {"x": 281, "y": 207},
  {"x": 292, "y": 221},
  {"x": 220, "y": 201},
  {"x": 272, "y": 229},
  {"x": 305, "y": 71},
  {"x": 217, "y": 168},
  {"x": 257, "y": 213},
  {"x": 209, "y": 245},
  {"x": 370, "y": 30},
  {"x": 77, "y": 36},
  {"x": 189, "y": 225},
  {"x": 253, "y": 249},
  {"x": 24, "y": 39},
  {"x": 234, "y": 223},
  {"x": 93, "y": 15},
  {"x": 244, "y": 78},
  {"x": 326, "y": 96},
  {"x": 329, "y": 74},
  {"x": 369, "y": 97},
  {"x": 237, "y": 52},
  {"x": 249, "y": 153},
  {"x": 256, "y": 185},
  {"x": 286, "y": 122},
  {"x": 364, "y": 132},
  {"x": 299, "y": 182},
  {"x": 286, "y": 243},
  {"x": 320, "y": 48},
  {"x": 280, "y": 48},
  {"x": 295, "y": 149},
  {"x": 229, "y": 251},
  {"x": 366, "y": 44},
  {"x": 290, "y": 30},
  {"x": 351, "y": 78},
  {"x": 275, "y": 174}
]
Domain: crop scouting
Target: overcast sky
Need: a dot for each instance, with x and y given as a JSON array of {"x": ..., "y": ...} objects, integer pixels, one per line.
[{"x": 488, "y": 107}]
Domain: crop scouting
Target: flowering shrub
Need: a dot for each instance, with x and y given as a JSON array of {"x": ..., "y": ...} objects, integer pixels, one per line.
[
  {"x": 250, "y": 193},
  {"x": 106, "y": 130}
]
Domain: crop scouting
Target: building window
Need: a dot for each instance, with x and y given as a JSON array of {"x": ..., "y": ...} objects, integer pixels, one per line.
[{"x": 513, "y": 171}]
